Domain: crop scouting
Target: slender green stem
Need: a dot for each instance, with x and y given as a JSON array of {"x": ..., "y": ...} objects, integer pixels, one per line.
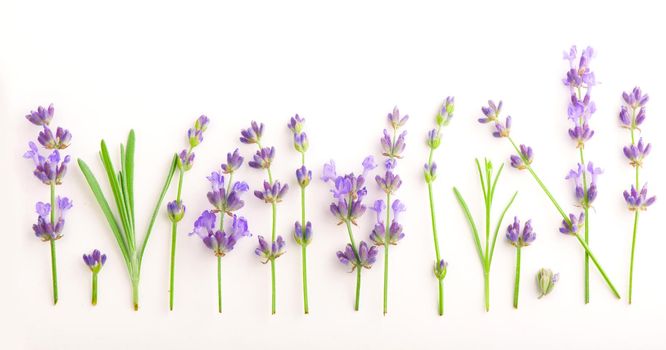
[
  {"x": 596, "y": 263},
  {"x": 633, "y": 247},
  {"x": 440, "y": 305},
  {"x": 135, "y": 292},
  {"x": 358, "y": 270},
  {"x": 516, "y": 286},
  {"x": 273, "y": 208},
  {"x": 173, "y": 263},
  {"x": 437, "y": 254},
  {"x": 54, "y": 269},
  {"x": 386, "y": 251},
  {"x": 586, "y": 208},
  {"x": 486, "y": 288},
  {"x": 94, "y": 288},
  {"x": 304, "y": 263},
  {"x": 219, "y": 284}
]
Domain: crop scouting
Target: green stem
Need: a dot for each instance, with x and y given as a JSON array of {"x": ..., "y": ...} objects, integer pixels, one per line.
[
  {"x": 358, "y": 271},
  {"x": 304, "y": 250},
  {"x": 441, "y": 297},
  {"x": 94, "y": 288},
  {"x": 273, "y": 208},
  {"x": 586, "y": 206},
  {"x": 596, "y": 263},
  {"x": 386, "y": 251},
  {"x": 437, "y": 254},
  {"x": 516, "y": 286},
  {"x": 633, "y": 247},
  {"x": 135, "y": 293},
  {"x": 173, "y": 264},
  {"x": 54, "y": 269},
  {"x": 486, "y": 288},
  {"x": 219, "y": 284}
]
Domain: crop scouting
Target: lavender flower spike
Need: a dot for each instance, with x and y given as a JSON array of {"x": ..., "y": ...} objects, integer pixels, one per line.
[
  {"x": 263, "y": 158},
  {"x": 270, "y": 252},
  {"x": 94, "y": 261},
  {"x": 252, "y": 134},
  {"x": 523, "y": 159},
  {"x": 519, "y": 239},
  {"x": 41, "y": 117},
  {"x": 367, "y": 256},
  {"x": 234, "y": 162},
  {"x": 638, "y": 200},
  {"x": 637, "y": 152}
]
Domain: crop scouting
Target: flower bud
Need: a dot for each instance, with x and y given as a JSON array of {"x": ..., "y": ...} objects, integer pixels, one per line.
[
  {"x": 175, "y": 211},
  {"x": 546, "y": 280}
]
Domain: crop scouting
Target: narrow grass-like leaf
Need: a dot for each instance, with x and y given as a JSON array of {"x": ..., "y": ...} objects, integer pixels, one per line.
[
  {"x": 470, "y": 220},
  {"x": 129, "y": 173},
  {"x": 106, "y": 209},
  {"x": 172, "y": 170},
  {"x": 483, "y": 183},
  {"x": 499, "y": 224},
  {"x": 499, "y": 172},
  {"x": 115, "y": 187}
]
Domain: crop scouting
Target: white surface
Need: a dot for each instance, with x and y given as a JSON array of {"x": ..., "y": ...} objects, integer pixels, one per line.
[{"x": 156, "y": 67}]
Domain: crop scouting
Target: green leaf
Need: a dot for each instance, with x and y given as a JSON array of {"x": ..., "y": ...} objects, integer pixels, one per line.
[
  {"x": 470, "y": 220},
  {"x": 483, "y": 183},
  {"x": 494, "y": 185},
  {"x": 115, "y": 187},
  {"x": 172, "y": 170},
  {"x": 499, "y": 224},
  {"x": 129, "y": 172},
  {"x": 104, "y": 204}
]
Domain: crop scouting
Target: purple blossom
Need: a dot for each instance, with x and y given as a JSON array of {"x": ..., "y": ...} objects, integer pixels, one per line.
[
  {"x": 263, "y": 158},
  {"x": 389, "y": 183},
  {"x": 393, "y": 148},
  {"x": 579, "y": 75},
  {"x": 348, "y": 191},
  {"x": 94, "y": 260},
  {"x": 520, "y": 238},
  {"x": 42, "y": 116},
  {"x": 252, "y": 134},
  {"x": 491, "y": 112},
  {"x": 272, "y": 193},
  {"x": 234, "y": 162},
  {"x": 303, "y": 176},
  {"x": 366, "y": 256},
  {"x": 368, "y": 164},
  {"x": 175, "y": 211},
  {"x": 195, "y": 137},
  {"x": 221, "y": 242},
  {"x": 395, "y": 120},
  {"x": 296, "y": 124},
  {"x": 328, "y": 173},
  {"x": 573, "y": 225},
  {"x": 434, "y": 139},
  {"x": 378, "y": 234},
  {"x": 581, "y": 134},
  {"x": 638, "y": 200},
  {"x": 220, "y": 199},
  {"x": 48, "y": 170},
  {"x": 204, "y": 224},
  {"x": 636, "y": 153},
  {"x": 635, "y": 99},
  {"x": 202, "y": 123},
  {"x": 390, "y": 163},
  {"x": 272, "y": 251},
  {"x": 301, "y": 143},
  {"x": 430, "y": 172},
  {"x": 446, "y": 112},
  {"x": 303, "y": 237},
  {"x": 60, "y": 140},
  {"x": 185, "y": 160},
  {"x": 524, "y": 159},
  {"x": 44, "y": 229},
  {"x": 576, "y": 175},
  {"x": 502, "y": 130}
]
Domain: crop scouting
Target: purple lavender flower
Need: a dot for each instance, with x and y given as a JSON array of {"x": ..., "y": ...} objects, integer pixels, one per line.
[
  {"x": 524, "y": 159},
  {"x": 518, "y": 238},
  {"x": 328, "y": 173},
  {"x": 263, "y": 158},
  {"x": 378, "y": 233},
  {"x": 48, "y": 170},
  {"x": 434, "y": 139},
  {"x": 304, "y": 176},
  {"x": 579, "y": 75},
  {"x": 252, "y": 134},
  {"x": 220, "y": 199},
  {"x": 43, "y": 229},
  {"x": 195, "y": 137},
  {"x": 272, "y": 251},
  {"x": 638, "y": 200},
  {"x": 94, "y": 260},
  {"x": 175, "y": 211},
  {"x": 395, "y": 120},
  {"x": 580, "y": 134},
  {"x": 296, "y": 124},
  {"x": 185, "y": 160},
  {"x": 491, "y": 112},
  {"x": 202, "y": 123},
  {"x": 576, "y": 175},
  {"x": 635, "y": 99},
  {"x": 503, "y": 130},
  {"x": 60, "y": 140},
  {"x": 389, "y": 183},
  {"x": 636, "y": 153},
  {"x": 42, "y": 116},
  {"x": 574, "y": 225},
  {"x": 446, "y": 112},
  {"x": 272, "y": 193},
  {"x": 220, "y": 242},
  {"x": 303, "y": 237},
  {"x": 234, "y": 162},
  {"x": 301, "y": 143},
  {"x": 430, "y": 172},
  {"x": 440, "y": 269},
  {"x": 393, "y": 149},
  {"x": 366, "y": 256}
]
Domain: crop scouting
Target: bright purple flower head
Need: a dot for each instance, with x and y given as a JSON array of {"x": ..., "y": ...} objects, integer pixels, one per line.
[
  {"x": 491, "y": 112},
  {"x": 635, "y": 99},
  {"x": 395, "y": 120},
  {"x": 503, "y": 130},
  {"x": 366, "y": 256},
  {"x": 223, "y": 200},
  {"x": 576, "y": 175},
  {"x": 348, "y": 191},
  {"x": 220, "y": 242},
  {"x": 272, "y": 193},
  {"x": 296, "y": 124},
  {"x": 263, "y": 158},
  {"x": 636, "y": 153},
  {"x": 272, "y": 251},
  {"x": 524, "y": 159},
  {"x": 573, "y": 225},
  {"x": 580, "y": 134},
  {"x": 94, "y": 260},
  {"x": 378, "y": 234},
  {"x": 60, "y": 140},
  {"x": 579, "y": 75},
  {"x": 638, "y": 200},
  {"x": 304, "y": 176},
  {"x": 303, "y": 235},
  {"x": 252, "y": 134},
  {"x": 393, "y": 149},
  {"x": 175, "y": 211},
  {"x": 48, "y": 170},
  {"x": 301, "y": 143},
  {"x": 43, "y": 228},
  {"x": 234, "y": 162},
  {"x": 518, "y": 238},
  {"x": 42, "y": 116},
  {"x": 389, "y": 183}
]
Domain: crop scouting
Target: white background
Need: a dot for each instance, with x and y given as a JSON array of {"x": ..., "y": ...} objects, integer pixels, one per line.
[{"x": 155, "y": 67}]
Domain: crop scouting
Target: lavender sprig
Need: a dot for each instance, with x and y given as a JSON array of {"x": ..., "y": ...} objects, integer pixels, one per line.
[
  {"x": 302, "y": 229},
  {"x": 347, "y": 206},
  {"x": 50, "y": 171},
  {"x": 580, "y": 79},
  {"x": 272, "y": 194},
  {"x": 488, "y": 186},
  {"x": 176, "y": 208},
  {"x": 526, "y": 157},
  {"x": 433, "y": 140},
  {"x": 519, "y": 239},
  {"x": 632, "y": 115},
  {"x": 393, "y": 144},
  {"x": 94, "y": 261}
]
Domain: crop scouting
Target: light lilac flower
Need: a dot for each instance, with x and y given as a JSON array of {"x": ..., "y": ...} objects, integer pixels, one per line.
[
  {"x": 263, "y": 158},
  {"x": 48, "y": 170},
  {"x": 234, "y": 162},
  {"x": 366, "y": 256},
  {"x": 579, "y": 75},
  {"x": 524, "y": 159},
  {"x": 296, "y": 124},
  {"x": 393, "y": 149},
  {"x": 638, "y": 200},
  {"x": 252, "y": 134},
  {"x": 42, "y": 116},
  {"x": 60, "y": 140},
  {"x": 636, "y": 153},
  {"x": 272, "y": 251},
  {"x": 503, "y": 129},
  {"x": 389, "y": 183},
  {"x": 635, "y": 98},
  {"x": 574, "y": 225},
  {"x": 272, "y": 193},
  {"x": 304, "y": 176},
  {"x": 491, "y": 112},
  {"x": 395, "y": 120},
  {"x": 220, "y": 242},
  {"x": 430, "y": 172},
  {"x": 43, "y": 229}
]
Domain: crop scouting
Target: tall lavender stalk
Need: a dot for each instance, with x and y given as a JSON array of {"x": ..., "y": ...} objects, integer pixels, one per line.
[
  {"x": 571, "y": 224},
  {"x": 176, "y": 208},
  {"x": 580, "y": 80},
  {"x": 302, "y": 230},
  {"x": 433, "y": 141},
  {"x": 50, "y": 171},
  {"x": 272, "y": 194},
  {"x": 632, "y": 116},
  {"x": 390, "y": 232},
  {"x": 347, "y": 206}
]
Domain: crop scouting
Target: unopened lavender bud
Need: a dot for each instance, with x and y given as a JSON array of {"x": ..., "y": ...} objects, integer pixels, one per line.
[
  {"x": 546, "y": 281},
  {"x": 440, "y": 269},
  {"x": 175, "y": 211}
]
